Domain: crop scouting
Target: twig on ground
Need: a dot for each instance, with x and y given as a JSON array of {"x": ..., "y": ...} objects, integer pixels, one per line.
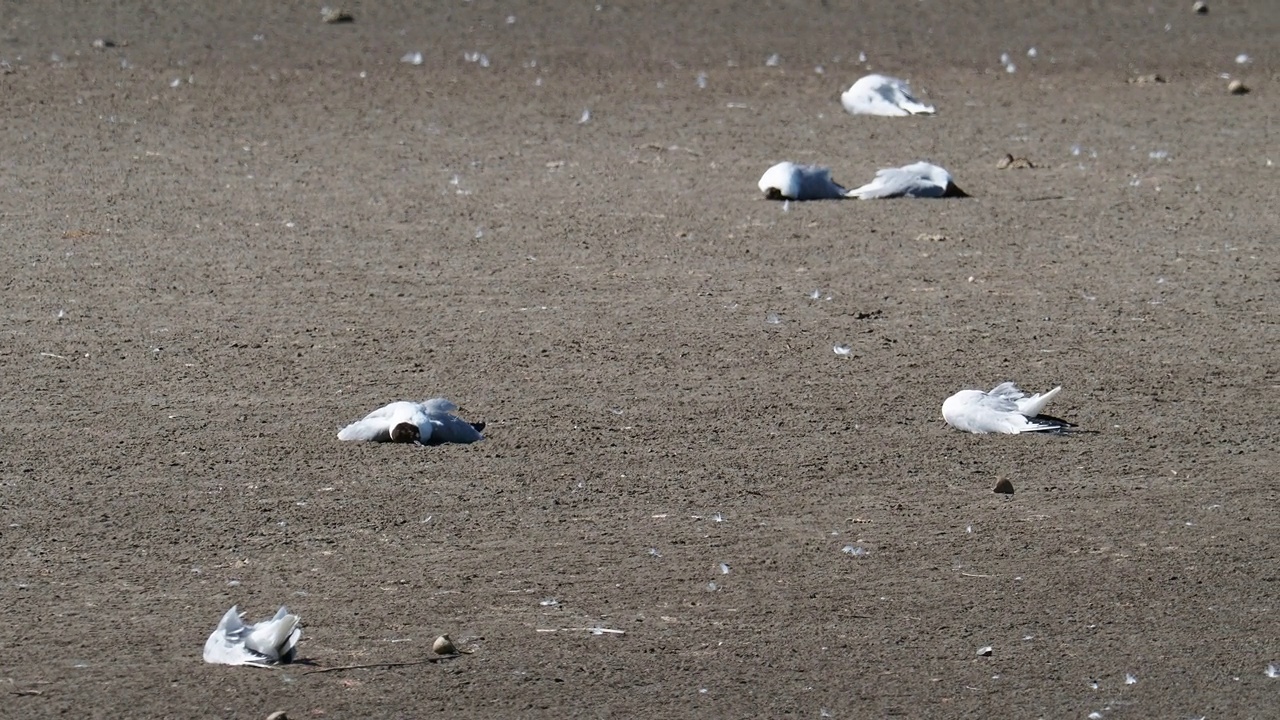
[
  {"x": 383, "y": 664},
  {"x": 592, "y": 630}
]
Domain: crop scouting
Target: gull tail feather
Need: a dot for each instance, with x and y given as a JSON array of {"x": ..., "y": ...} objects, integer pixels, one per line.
[{"x": 1034, "y": 405}]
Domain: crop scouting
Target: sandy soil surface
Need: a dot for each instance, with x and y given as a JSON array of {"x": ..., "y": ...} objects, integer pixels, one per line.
[{"x": 239, "y": 229}]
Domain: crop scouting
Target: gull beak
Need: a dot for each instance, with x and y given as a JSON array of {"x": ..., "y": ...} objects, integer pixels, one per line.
[{"x": 954, "y": 190}]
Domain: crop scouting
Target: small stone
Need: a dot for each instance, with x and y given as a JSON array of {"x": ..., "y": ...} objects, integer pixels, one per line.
[
  {"x": 103, "y": 43},
  {"x": 985, "y": 651},
  {"x": 278, "y": 715},
  {"x": 335, "y": 15},
  {"x": 1015, "y": 163},
  {"x": 1237, "y": 87},
  {"x": 1200, "y": 8},
  {"x": 1004, "y": 487},
  {"x": 1152, "y": 79},
  {"x": 444, "y": 646}
]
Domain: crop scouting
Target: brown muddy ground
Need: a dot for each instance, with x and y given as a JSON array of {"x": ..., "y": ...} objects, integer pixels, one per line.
[{"x": 223, "y": 250}]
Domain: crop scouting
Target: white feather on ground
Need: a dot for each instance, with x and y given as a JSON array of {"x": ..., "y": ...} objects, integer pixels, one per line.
[
  {"x": 262, "y": 644},
  {"x": 1005, "y": 409},
  {"x": 431, "y": 422},
  {"x": 789, "y": 181},
  {"x": 917, "y": 180},
  {"x": 884, "y": 96}
]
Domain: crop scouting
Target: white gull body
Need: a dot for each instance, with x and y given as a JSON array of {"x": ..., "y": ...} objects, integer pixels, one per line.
[
  {"x": 917, "y": 180},
  {"x": 1005, "y": 409},
  {"x": 426, "y": 423},
  {"x": 882, "y": 95},
  {"x": 262, "y": 644},
  {"x": 789, "y": 181}
]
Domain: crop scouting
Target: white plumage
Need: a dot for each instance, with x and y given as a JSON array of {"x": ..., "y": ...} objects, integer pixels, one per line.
[
  {"x": 789, "y": 181},
  {"x": 882, "y": 95},
  {"x": 431, "y": 422},
  {"x": 262, "y": 644},
  {"x": 917, "y": 180},
  {"x": 1005, "y": 409}
]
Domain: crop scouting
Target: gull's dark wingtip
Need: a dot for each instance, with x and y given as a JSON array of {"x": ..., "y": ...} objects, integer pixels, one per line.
[{"x": 1058, "y": 425}]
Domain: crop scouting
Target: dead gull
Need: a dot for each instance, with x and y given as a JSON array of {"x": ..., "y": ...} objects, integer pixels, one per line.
[
  {"x": 917, "y": 180},
  {"x": 882, "y": 95},
  {"x": 426, "y": 423},
  {"x": 263, "y": 644},
  {"x": 1005, "y": 409},
  {"x": 789, "y": 181}
]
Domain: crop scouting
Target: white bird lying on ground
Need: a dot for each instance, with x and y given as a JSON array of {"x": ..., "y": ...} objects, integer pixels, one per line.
[
  {"x": 882, "y": 95},
  {"x": 1005, "y": 409},
  {"x": 789, "y": 181},
  {"x": 917, "y": 180},
  {"x": 426, "y": 423},
  {"x": 263, "y": 644}
]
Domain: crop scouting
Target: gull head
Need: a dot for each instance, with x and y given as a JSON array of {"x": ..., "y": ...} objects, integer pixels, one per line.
[
  {"x": 943, "y": 179},
  {"x": 405, "y": 433}
]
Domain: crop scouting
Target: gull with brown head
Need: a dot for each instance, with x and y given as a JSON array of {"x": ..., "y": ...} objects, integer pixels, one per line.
[
  {"x": 789, "y": 181},
  {"x": 431, "y": 422}
]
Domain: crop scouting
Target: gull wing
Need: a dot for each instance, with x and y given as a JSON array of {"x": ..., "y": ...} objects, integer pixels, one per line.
[
  {"x": 816, "y": 184},
  {"x": 900, "y": 95},
  {"x": 891, "y": 183},
  {"x": 276, "y": 639},
  {"x": 224, "y": 645},
  {"x": 447, "y": 427},
  {"x": 1008, "y": 394},
  {"x": 1024, "y": 412},
  {"x": 1014, "y": 423},
  {"x": 437, "y": 406},
  {"x": 1029, "y": 406}
]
